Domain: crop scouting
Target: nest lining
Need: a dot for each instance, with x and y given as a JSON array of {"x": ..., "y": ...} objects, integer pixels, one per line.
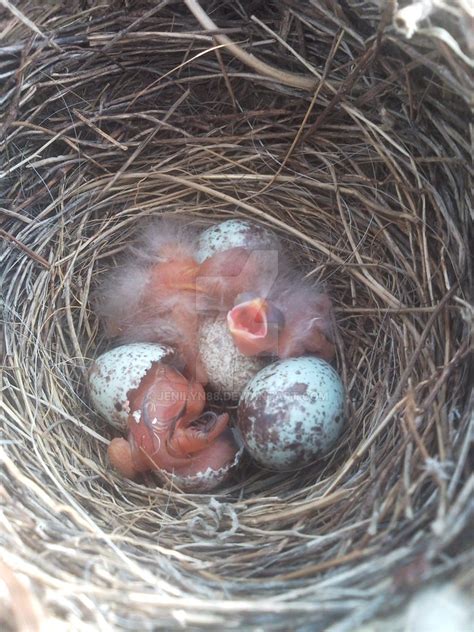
[{"x": 366, "y": 180}]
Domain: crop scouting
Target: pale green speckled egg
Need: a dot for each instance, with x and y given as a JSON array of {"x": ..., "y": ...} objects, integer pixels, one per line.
[
  {"x": 292, "y": 412},
  {"x": 234, "y": 233}
]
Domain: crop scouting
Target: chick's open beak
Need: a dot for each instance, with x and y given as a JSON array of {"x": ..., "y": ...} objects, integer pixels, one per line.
[{"x": 255, "y": 325}]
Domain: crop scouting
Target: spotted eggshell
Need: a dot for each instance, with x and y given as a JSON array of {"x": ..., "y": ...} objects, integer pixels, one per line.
[
  {"x": 292, "y": 412},
  {"x": 118, "y": 371},
  {"x": 202, "y": 482},
  {"x": 232, "y": 234},
  {"x": 227, "y": 369}
]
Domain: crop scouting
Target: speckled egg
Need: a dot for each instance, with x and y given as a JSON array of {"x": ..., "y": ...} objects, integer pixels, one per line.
[
  {"x": 228, "y": 370},
  {"x": 292, "y": 412},
  {"x": 234, "y": 233},
  {"x": 118, "y": 371}
]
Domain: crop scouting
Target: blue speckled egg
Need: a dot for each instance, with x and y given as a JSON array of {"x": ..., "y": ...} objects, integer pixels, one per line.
[
  {"x": 292, "y": 412},
  {"x": 234, "y": 233}
]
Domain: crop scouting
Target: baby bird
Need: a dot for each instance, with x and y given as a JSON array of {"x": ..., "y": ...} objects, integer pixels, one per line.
[
  {"x": 151, "y": 297},
  {"x": 168, "y": 429},
  {"x": 296, "y": 318},
  {"x": 230, "y": 273}
]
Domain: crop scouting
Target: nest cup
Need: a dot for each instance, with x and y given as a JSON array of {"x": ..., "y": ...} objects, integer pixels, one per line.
[{"x": 351, "y": 142}]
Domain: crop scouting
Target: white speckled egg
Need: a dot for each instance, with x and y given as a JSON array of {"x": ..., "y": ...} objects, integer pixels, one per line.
[
  {"x": 118, "y": 371},
  {"x": 232, "y": 234},
  {"x": 292, "y": 412},
  {"x": 228, "y": 370}
]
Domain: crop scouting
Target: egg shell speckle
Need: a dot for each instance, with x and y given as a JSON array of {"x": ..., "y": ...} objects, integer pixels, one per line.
[
  {"x": 227, "y": 369},
  {"x": 202, "y": 482},
  {"x": 292, "y": 412},
  {"x": 232, "y": 234},
  {"x": 118, "y": 371}
]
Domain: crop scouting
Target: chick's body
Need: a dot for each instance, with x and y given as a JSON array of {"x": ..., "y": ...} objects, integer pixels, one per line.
[
  {"x": 308, "y": 321},
  {"x": 295, "y": 319},
  {"x": 169, "y": 433},
  {"x": 169, "y": 300},
  {"x": 227, "y": 274},
  {"x": 152, "y": 296}
]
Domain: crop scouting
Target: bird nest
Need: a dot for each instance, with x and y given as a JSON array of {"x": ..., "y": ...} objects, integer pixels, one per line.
[{"x": 348, "y": 138}]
